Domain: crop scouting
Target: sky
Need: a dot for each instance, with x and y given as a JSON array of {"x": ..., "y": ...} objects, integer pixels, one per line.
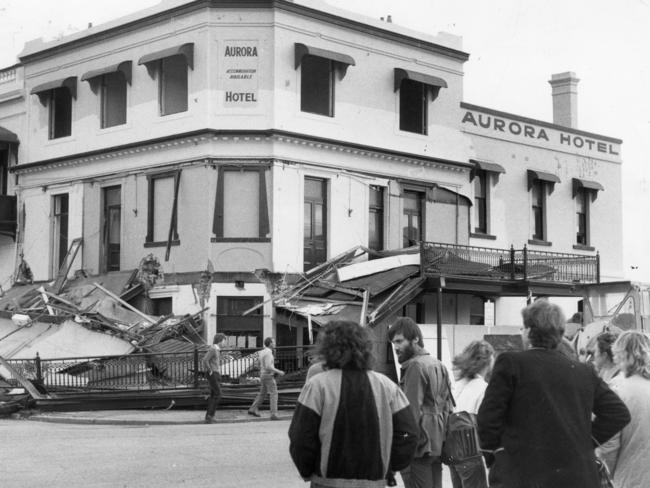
[{"x": 514, "y": 47}]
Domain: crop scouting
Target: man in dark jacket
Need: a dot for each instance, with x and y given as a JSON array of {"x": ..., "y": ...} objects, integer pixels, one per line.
[
  {"x": 351, "y": 425},
  {"x": 542, "y": 411}
]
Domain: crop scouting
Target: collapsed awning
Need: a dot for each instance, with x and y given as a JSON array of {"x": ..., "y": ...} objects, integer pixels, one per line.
[
  {"x": 591, "y": 186},
  {"x": 7, "y": 136},
  {"x": 342, "y": 60},
  {"x": 43, "y": 89},
  {"x": 186, "y": 50},
  {"x": 429, "y": 80},
  {"x": 535, "y": 175},
  {"x": 125, "y": 67}
]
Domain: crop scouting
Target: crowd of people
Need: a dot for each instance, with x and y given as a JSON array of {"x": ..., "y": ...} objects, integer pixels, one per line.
[{"x": 542, "y": 417}]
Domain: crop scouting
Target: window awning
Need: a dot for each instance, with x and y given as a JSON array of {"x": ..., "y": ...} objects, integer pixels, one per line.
[
  {"x": 534, "y": 175},
  {"x": 342, "y": 60},
  {"x": 41, "y": 90},
  {"x": 124, "y": 67},
  {"x": 186, "y": 50},
  {"x": 429, "y": 80},
  {"x": 487, "y": 166},
  {"x": 7, "y": 136},
  {"x": 591, "y": 186}
]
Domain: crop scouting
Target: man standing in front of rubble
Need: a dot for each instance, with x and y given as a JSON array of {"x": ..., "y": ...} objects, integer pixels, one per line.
[
  {"x": 267, "y": 380},
  {"x": 210, "y": 363},
  {"x": 425, "y": 382}
]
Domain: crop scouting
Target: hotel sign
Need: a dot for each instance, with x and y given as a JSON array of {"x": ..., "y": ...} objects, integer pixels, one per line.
[
  {"x": 240, "y": 65},
  {"x": 529, "y": 132}
]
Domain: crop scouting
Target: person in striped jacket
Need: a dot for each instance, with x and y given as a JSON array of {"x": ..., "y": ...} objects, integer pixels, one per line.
[{"x": 351, "y": 425}]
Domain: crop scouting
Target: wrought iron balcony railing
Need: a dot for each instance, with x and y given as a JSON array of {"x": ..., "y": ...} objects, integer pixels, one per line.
[{"x": 509, "y": 264}]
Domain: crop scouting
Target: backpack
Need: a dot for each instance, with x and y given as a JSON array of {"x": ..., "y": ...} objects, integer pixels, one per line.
[{"x": 461, "y": 436}]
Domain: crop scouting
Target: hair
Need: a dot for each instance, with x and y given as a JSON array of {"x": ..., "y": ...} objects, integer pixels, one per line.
[
  {"x": 344, "y": 344},
  {"x": 635, "y": 347},
  {"x": 218, "y": 337},
  {"x": 268, "y": 341},
  {"x": 474, "y": 358},
  {"x": 604, "y": 342},
  {"x": 408, "y": 328},
  {"x": 545, "y": 322}
]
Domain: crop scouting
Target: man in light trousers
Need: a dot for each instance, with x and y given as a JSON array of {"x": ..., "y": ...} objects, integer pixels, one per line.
[{"x": 267, "y": 380}]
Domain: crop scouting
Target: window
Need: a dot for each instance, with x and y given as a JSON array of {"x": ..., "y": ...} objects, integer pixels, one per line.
[
  {"x": 59, "y": 231},
  {"x": 241, "y": 209},
  {"x": 540, "y": 184},
  {"x": 480, "y": 202},
  {"x": 111, "y": 228},
  {"x": 315, "y": 226},
  {"x": 172, "y": 85},
  {"x": 376, "y": 218},
  {"x": 413, "y": 107},
  {"x": 538, "y": 210},
  {"x": 476, "y": 311},
  {"x": 412, "y": 217},
  {"x": 317, "y": 77},
  {"x": 582, "y": 206},
  {"x": 162, "y": 306},
  {"x": 60, "y": 113},
  {"x": 317, "y": 86},
  {"x": 162, "y": 215},
  {"x": 584, "y": 193},
  {"x": 241, "y": 331},
  {"x": 113, "y": 99}
]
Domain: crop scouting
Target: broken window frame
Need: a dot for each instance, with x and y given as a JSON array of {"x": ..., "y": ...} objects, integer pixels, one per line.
[
  {"x": 231, "y": 322},
  {"x": 173, "y": 237},
  {"x": 264, "y": 231},
  {"x": 419, "y": 213}
]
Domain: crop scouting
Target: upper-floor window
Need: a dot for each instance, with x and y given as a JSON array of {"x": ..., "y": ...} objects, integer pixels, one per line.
[
  {"x": 480, "y": 202},
  {"x": 584, "y": 193},
  {"x": 416, "y": 91},
  {"x": 376, "y": 217},
  {"x": 113, "y": 100},
  {"x": 484, "y": 175},
  {"x": 172, "y": 85},
  {"x": 110, "y": 82},
  {"x": 57, "y": 96},
  {"x": 171, "y": 68},
  {"x": 241, "y": 209},
  {"x": 162, "y": 215},
  {"x": 412, "y": 217},
  {"x": 540, "y": 184},
  {"x": 318, "y": 77},
  {"x": 60, "y": 113}
]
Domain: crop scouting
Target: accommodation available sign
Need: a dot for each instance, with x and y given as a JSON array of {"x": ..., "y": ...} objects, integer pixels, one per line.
[
  {"x": 240, "y": 65},
  {"x": 532, "y": 132}
]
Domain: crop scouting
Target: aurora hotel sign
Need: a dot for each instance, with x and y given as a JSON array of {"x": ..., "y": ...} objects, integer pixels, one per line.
[
  {"x": 240, "y": 73},
  {"x": 532, "y": 132}
]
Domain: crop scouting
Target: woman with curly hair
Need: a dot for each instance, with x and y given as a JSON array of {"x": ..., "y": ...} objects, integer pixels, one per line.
[
  {"x": 351, "y": 425},
  {"x": 629, "y": 458},
  {"x": 471, "y": 367}
]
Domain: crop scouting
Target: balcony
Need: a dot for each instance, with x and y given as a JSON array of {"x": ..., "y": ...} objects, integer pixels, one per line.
[
  {"x": 8, "y": 215},
  {"x": 508, "y": 264}
]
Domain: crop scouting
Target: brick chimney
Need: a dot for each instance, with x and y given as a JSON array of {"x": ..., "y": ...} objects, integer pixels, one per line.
[{"x": 564, "y": 89}]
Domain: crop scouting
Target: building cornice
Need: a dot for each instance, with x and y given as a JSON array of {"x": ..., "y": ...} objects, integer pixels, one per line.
[
  {"x": 80, "y": 40},
  {"x": 540, "y": 123},
  {"x": 206, "y": 135}
]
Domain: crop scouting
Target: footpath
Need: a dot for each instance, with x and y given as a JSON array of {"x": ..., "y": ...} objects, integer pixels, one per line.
[{"x": 147, "y": 416}]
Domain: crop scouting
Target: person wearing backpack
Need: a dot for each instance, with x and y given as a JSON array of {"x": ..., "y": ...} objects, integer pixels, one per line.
[{"x": 473, "y": 365}]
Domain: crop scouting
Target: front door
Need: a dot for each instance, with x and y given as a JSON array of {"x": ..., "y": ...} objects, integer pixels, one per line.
[{"x": 112, "y": 228}]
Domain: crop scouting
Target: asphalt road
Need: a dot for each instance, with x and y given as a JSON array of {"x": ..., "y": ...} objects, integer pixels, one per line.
[{"x": 52, "y": 455}]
